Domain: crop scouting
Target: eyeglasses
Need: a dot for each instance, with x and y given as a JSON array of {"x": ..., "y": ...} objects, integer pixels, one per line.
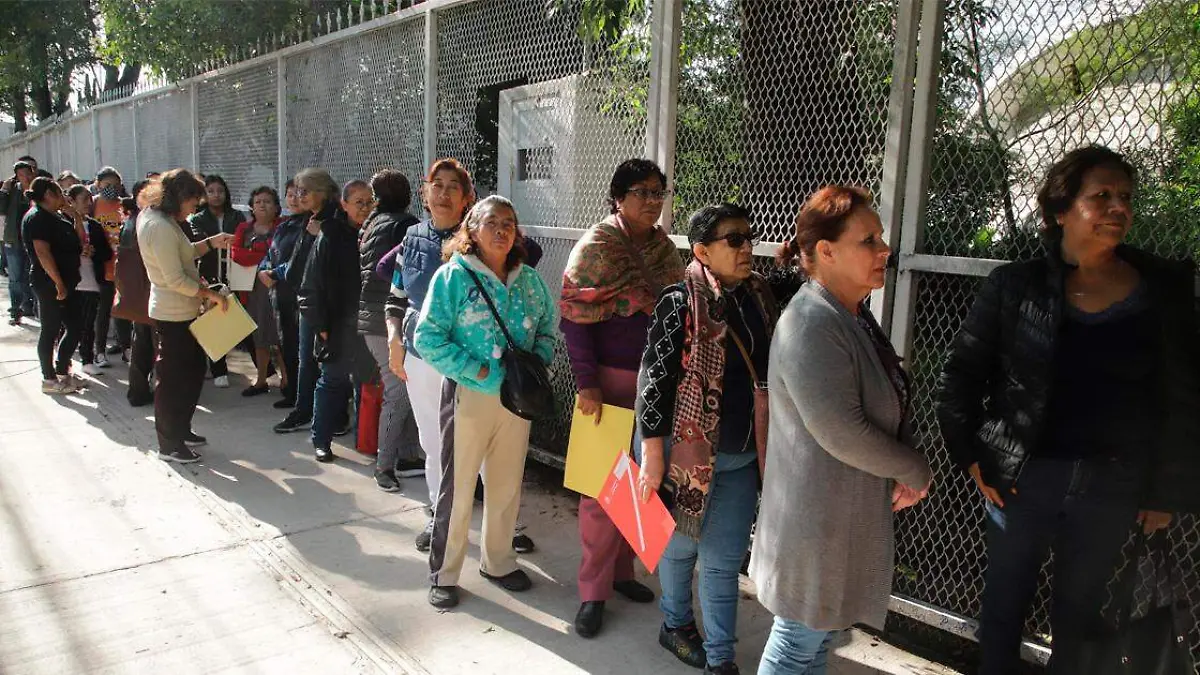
[
  {"x": 363, "y": 204},
  {"x": 301, "y": 192},
  {"x": 737, "y": 239},
  {"x": 650, "y": 195}
]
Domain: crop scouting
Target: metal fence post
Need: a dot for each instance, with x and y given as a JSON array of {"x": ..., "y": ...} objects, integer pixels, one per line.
[
  {"x": 96, "y": 149},
  {"x": 195, "y": 128},
  {"x": 431, "y": 98},
  {"x": 896, "y": 149},
  {"x": 662, "y": 104},
  {"x": 137, "y": 157},
  {"x": 916, "y": 183},
  {"x": 281, "y": 120}
]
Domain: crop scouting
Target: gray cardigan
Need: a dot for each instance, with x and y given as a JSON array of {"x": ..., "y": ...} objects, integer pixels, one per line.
[{"x": 824, "y": 545}]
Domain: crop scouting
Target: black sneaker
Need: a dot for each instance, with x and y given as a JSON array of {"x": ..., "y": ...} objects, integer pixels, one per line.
[
  {"x": 443, "y": 597},
  {"x": 685, "y": 643},
  {"x": 386, "y": 480},
  {"x": 284, "y": 403},
  {"x": 345, "y": 428},
  {"x": 425, "y": 539},
  {"x": 325, "y": 455},
  {"x": 727, "y": 668},
  {"x": 114, "y": 349},
  {"x": 410, "y": 468},
  {"x": 295, "y": 421},
  {"x": 181, "y": 456},
  {"x": 194, "y": 440},
  {"x": 515, "y": 581},
  {"x": 522, "y": 543}
]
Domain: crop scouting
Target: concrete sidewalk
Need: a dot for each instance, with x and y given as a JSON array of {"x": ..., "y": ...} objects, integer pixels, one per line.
[{"x": 261, "y": 560}]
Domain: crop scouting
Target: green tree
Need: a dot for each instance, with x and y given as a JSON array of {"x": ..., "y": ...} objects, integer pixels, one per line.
[{"x": 42, "y": 45}]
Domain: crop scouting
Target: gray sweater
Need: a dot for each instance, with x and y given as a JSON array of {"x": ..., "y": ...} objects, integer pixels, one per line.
[{"x": 824, "y": 545}]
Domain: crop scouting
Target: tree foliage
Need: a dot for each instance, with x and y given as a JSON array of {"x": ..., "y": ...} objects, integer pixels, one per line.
[{"x": 42, "y": 44}]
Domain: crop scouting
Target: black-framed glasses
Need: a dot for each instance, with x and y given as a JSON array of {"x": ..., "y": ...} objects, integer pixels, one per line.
[
  {"x": 737, "y": 239},
  {"x": 650, "y": 195}
]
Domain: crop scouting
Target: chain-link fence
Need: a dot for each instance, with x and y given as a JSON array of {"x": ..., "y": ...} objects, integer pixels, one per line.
[{"x": 754, "y": 101}]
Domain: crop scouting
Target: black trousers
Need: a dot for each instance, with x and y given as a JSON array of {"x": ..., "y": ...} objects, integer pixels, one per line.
[
  {"x": 180, "y": 369},
  {"x": 289, "y": 338},
  {"x": 89, "y": 302},
  {"x": 57, "y": 316},
  {"x": 141, "y": 361}
]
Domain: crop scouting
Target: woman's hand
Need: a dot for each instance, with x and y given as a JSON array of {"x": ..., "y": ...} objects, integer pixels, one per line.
[
  {"x": 904, "y": 496},
  {"x": 654, "y": 467},
  {"x": 89, "y": 250},
  {"x": 212, "y": 298},
  {"x": 483, "y": 373},
  {"x": 591, "y": 402},
  {"x": 396, "y": 355},
  {"x": 1153, "y": 521},
  {"x": 60, "y": 291},
  {"x": 313, "y": 227},
  {"x": 989, "y": 493},
  {"x": 265, "y": 277},
  {"x": 222, "y": 240}
]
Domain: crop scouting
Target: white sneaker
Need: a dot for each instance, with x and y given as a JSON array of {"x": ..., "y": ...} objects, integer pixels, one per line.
[
  {"x": 221, "y": 382},
  {"x": 57, "y": 387},
  {"x": 101, "y": 362},
  {"x": 92, "y": 368}
]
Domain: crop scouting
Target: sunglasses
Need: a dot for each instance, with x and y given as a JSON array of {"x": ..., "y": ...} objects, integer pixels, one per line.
[{"x": 737, "y": 239}]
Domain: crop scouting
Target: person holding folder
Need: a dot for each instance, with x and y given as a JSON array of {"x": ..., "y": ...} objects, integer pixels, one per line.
[
  {"x": 707, "y": 349},
  {"x": 610, "y": 284},
  {"x": 176, "y": 296}
]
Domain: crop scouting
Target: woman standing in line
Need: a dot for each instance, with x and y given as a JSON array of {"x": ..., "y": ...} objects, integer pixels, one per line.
[
  {"x": 610, "y": 285},
  {"x": 249, "y": 248},
  {"x": 215, "y": 217},
  {"x": 92, "y": 264}
]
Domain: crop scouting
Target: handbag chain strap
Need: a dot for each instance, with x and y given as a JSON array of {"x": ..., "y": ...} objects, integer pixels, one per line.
[{"x": 488, "y": 298}]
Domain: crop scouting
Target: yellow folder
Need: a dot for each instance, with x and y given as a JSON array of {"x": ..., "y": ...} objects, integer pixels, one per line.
[
  {"x": 218, "y": 331},
  {"x": 593, "y": 448}
]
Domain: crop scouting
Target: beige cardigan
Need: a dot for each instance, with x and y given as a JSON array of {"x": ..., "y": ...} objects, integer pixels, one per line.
[{"x": 170, "y": 260}]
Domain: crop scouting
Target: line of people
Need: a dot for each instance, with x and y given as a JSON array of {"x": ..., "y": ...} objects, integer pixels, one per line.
[{"x": 768, "y": 404}]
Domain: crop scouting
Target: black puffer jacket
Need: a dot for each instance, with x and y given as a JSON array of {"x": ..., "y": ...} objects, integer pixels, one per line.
[
  {"x": 329, "y": 292},
  {"x": 381, "y": 233},
  {"x": 996, "y": 386}
]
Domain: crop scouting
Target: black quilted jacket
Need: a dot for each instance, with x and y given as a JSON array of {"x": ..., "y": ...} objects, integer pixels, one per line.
[
  {"x": 381, "y": 233},
  {"x": 995, "y": 387}
]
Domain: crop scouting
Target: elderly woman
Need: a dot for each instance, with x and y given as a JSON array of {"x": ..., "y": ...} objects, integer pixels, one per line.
[
  {"x": 176, "y": 295},
  {"x": 1085, "y": 357},
  {"x": 54, "y": 247},
  {"x": 610, "y": 285},
  {"x": 706, "y": 352},
  {"x": 216, "y": 216},
  {"x": 273, "y": 275},
  {"x": 458, "y": 336},
  {"x": 328, "y": 301},
  {"x": 250, "y": 245},
  {"x": 399, "y": 447},
  {"x": 840, "y": 457},
  {"x": 318, "y": 197}
]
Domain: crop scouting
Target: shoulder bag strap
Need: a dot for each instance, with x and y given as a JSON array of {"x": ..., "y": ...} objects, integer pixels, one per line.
[
  {"x": 745, "y": 355},
  {"x": 488, "y": 298}
]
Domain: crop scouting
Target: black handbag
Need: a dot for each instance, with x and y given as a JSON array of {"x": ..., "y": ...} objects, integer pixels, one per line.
[
  {"x": 1147, "y": 617},
  {"x": 526, "y": 390}
]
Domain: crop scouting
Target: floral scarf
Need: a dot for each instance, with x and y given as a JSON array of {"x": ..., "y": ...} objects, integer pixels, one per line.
[
  {"x": 696, "y": 428},
  {"x": 603, "y": 277}
]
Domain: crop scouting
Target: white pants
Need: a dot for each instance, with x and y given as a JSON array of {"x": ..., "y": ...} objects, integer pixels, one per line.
[{"x": 425, "y": 393}]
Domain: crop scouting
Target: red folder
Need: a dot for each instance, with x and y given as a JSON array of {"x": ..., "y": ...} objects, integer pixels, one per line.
[{"x": 647, "y": 526}]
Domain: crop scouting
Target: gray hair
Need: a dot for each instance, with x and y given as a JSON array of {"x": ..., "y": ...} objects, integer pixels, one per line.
[
  {"x": 474, "y": 218},
  {"x": 317, "y": 180}
]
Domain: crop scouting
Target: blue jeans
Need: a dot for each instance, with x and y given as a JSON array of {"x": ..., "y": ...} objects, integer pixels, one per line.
[
  {"x": 20, "y": 294},
  {"x": 334, "y": 392},
  {"x": 724, "y": 539},
  {"x": 795, "y": 649},
  {"x": 307, "y": 370},
  {"x": 1082, "y": 510}
]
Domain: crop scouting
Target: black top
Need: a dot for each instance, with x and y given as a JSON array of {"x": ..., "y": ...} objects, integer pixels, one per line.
[
  {"x": 1104, "y": 394},
  {"x": 328, "y": 297},
  {"x": 65, "y": 247},
  {"x": 662, "y": 366}
]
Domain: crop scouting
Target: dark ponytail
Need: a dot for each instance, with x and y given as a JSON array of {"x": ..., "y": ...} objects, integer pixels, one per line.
[{"x": 40, "y": 187}]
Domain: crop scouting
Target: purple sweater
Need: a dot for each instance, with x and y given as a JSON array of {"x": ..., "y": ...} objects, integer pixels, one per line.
[{"x": 616, "y": 343}]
